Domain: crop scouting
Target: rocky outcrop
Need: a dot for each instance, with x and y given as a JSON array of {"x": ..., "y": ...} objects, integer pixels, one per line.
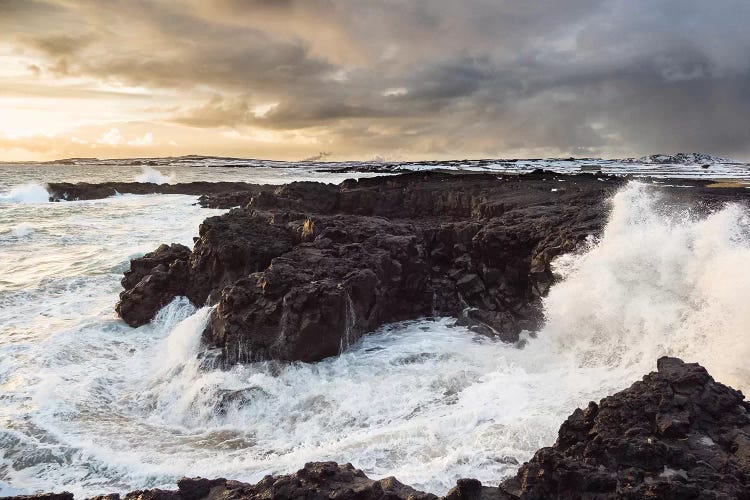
[
  {"x": 225, "y": 194},
  {"x": 355, "y": 274},
  {"x": 43, "y": 496},
  {"x": 677, "y": 434},
  {"x": 152, "y": 282},
  {"x": 315, "y": 481},
  {"x": 228, "y": 248},
  {"x": 304, "y": 270}
]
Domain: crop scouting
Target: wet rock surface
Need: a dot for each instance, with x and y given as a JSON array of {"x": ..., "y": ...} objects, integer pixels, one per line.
[
  {"x": 224, "y": 194},
  {"x": 316, "y": 480},
  {"x": 152, "y": 282},
  {"x": 44, "y": 496},
  {"x": 676, "y": 434},
  {"x": 304, "y": 270}
]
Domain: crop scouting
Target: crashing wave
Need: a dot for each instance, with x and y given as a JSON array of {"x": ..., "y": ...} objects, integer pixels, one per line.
[
  {"x": 153, "y": 176},
  {"x": 26, "y": 193}
]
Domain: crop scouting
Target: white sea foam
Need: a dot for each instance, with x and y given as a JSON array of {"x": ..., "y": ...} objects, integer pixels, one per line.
[
  {"x": 149, "y": 174},
  {"x": 26, "y": 193},
  {"x": 96, "y": 406},
  {"x": 659, "y": 282},
  {"x": 22, "y": 230},
  {"x": 19, "y": 231}
]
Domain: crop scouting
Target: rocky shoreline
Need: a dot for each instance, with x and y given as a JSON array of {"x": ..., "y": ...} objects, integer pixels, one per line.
[
  {"x": 303, "y": 270},
  {"x": 299, "y": 272},
  {"x": 676, "y": 434},
  {"x": 72, "y": 191}
]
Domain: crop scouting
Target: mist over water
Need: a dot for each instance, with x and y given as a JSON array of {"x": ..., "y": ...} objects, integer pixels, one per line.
[{"x": 92, "y": 406}]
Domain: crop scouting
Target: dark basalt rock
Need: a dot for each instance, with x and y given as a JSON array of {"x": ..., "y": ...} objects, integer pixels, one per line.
[
  {"x": 318, "y": 298},
  {"x": 152, "y": 282},
  {"x": 230, "y": 247},
  {"x": 472, "y": 489},
  {"x": 324, "y": 480},
  {"x": 304, "y": 270},
  {"x": 677, "y": 434},
  {"x": 316, "y": 481},
  {"x": 43, "y": 496},
  {"x": 223, "y": 194}
]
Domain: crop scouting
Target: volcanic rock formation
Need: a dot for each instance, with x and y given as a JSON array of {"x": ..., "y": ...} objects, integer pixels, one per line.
[
  {"x": 68, "y": 191},
  {"x": 304, "y": 270},
  {"x": 677, "y": 434}
]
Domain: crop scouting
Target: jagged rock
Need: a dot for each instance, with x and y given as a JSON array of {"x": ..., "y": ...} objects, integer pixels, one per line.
[
  {"x": 230, "y": 247},
  {"x": 213, "y": 194},
  {"x": 677, "y": 434},
  {"x": 307, "y": 268},
  {"x": 43, "y": 496},
  {"x": 315, "y": 481},
  {"x": 237, "y": 398},
  {"x": 152, "y": 282},
  {"x": 472, "y": 489},
  {"x": 328, "y": 480},
  {"x": 165, "y": 255}
]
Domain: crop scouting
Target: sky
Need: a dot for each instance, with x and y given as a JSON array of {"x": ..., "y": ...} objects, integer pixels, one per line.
[{"x": 365, "y": 79}]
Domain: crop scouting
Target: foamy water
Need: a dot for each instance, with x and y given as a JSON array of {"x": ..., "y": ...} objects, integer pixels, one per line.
[
  {"x": 90, "y": 405},
  {"x": 26, "y": 193},
  {"x": 660, "y": 282},
  {"x": 153, "y": 176}
]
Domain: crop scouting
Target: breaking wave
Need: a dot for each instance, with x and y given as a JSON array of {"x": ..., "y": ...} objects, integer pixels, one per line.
[
  {"x": 26, "y": 193},
  {"x": 153, "y": 176},
  {"x": 659, "y": 282}
]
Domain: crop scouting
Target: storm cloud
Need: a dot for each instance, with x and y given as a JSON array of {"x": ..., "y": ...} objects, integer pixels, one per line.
[{"x": 405, "y": 78}]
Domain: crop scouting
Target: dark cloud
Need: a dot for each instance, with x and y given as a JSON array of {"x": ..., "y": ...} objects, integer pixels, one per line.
[
  {"x": 26, "y": 10},
  {"x": 217, "y": 112},
  {"x": 57, "y": 45},
  {"x": 429, "y": 77}
]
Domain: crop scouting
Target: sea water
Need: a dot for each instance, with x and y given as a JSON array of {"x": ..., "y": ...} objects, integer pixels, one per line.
[{"x": 90, "y": 405}]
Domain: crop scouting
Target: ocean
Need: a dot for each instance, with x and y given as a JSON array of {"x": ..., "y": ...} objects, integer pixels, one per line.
[{"x": 90, "y": 405}]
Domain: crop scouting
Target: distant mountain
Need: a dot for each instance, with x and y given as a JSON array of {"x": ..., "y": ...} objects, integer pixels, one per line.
[{"x": 681, "y": 159}]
